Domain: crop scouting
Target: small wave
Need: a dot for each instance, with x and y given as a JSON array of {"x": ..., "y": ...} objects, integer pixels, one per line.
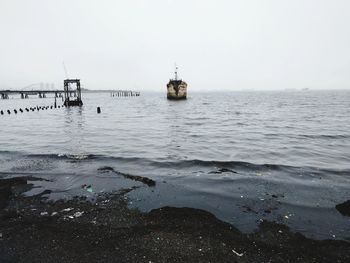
[
  {"x": 246, "y": 166},
  {"x": 61, "y": 156},
  {"x": 10, "y": 152},
  {"x": 326, "y": 136},
  {"x": 50, "y": 156},
  {"x": 222, "y": 164},
  {"x": 183, "y": 164},
  {"x": 78, "y": 156}
]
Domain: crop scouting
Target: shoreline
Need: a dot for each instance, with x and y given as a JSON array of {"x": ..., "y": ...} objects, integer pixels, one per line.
[{"x": 35, "y": 230}]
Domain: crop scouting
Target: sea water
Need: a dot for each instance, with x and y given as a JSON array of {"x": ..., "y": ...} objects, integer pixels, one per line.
[{"x": 243, "y": 156}]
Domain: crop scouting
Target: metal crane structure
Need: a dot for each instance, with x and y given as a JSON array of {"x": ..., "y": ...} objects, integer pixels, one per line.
[{"x": 72, "y": 97}]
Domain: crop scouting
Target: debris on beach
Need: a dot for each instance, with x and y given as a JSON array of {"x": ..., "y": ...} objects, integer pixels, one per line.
[
  {"x": 237, "y": 254},
  {"x": 75, "y": 215},
  {"x": 88, "y": 188},
  {"x": 137, "y": 178},
  {"x": 105, "y": 169},
  {"x": 223, "y": 170},
  {"x": 67, "y": 209},
  {"x": 78, "y": 214}
]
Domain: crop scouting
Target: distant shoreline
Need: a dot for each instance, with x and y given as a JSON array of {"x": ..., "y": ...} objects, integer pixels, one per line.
[{"x": 102, "y": 91}]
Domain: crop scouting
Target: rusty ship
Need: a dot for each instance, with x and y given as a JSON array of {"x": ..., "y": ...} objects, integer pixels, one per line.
[{"x": 176, "y": 88}]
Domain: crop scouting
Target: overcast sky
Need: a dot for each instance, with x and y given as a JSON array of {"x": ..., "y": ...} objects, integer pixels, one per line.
[{"x": 218, "y": 44}]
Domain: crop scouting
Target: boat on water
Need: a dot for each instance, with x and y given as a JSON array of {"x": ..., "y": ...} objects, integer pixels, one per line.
[{"x": 176, "y": 88}]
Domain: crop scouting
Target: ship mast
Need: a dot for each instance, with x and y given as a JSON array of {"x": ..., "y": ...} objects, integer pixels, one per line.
[{"x": 176, "y": 74}]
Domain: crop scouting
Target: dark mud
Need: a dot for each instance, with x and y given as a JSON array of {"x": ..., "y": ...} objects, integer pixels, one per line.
[{"x": 34, "y": 230}]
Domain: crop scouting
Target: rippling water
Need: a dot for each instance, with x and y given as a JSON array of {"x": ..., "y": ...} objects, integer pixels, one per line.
[{"x": 244, "y": 156}]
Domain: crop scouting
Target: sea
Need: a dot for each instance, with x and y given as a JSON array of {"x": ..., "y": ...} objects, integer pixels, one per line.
[{"x": 244, "y": 156}]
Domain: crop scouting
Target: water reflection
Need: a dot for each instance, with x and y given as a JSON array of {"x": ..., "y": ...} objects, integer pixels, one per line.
[
  {"x": 73, "y": 129},
  {"x": 176, "y": 112}
]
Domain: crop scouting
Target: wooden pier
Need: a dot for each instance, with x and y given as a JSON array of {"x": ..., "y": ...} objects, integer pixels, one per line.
[{"x": 24, "y": 94}]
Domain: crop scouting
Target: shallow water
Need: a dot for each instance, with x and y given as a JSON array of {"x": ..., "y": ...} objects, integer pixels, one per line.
[{"x": 244, "y": 156}]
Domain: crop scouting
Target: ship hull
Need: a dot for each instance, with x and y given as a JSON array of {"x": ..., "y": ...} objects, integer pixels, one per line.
[
  {"x": 176, "y": 90},
  {"x": 172, "y": 97}
]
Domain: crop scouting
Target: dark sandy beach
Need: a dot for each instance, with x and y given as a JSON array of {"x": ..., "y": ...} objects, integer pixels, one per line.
[{"x": 34, "y": 230}]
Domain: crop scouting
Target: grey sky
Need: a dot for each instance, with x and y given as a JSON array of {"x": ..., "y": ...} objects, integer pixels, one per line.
[{"x": 218, "y": 44}]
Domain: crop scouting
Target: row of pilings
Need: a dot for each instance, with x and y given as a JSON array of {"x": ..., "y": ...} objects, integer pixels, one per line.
[
  {"x": 125, "y": 93},
  {"x": 33, "y": 109}
]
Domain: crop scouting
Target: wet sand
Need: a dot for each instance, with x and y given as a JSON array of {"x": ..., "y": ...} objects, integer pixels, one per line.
[{"x": 35, "y": 230}]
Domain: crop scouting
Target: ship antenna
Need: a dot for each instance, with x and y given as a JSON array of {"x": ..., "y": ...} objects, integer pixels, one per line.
[{"x": 65, "y": 70}]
